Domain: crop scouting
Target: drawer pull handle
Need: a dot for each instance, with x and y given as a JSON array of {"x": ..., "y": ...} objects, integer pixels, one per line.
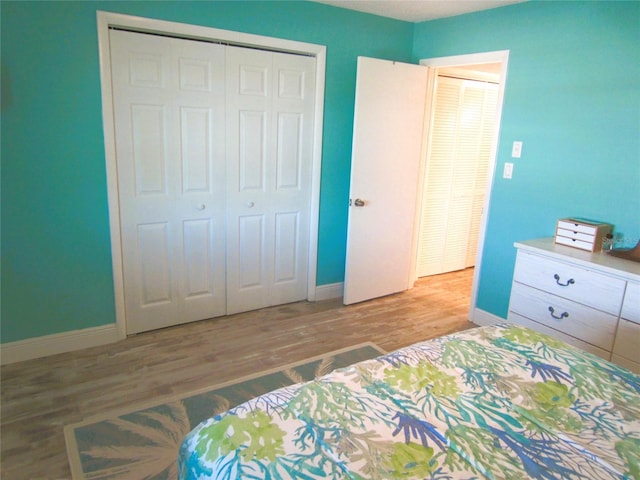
[
  {"x": 562, "y": 315},
  {"x": 571, "y": 281}
]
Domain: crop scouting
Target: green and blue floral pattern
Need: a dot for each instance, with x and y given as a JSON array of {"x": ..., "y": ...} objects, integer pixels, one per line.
[{"x": 492, "y": 402}]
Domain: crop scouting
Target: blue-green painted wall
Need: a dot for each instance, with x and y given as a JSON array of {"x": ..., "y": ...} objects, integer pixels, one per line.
[
  {"x": 56, "y": 258},
  {"x": 573, "y": 97}
]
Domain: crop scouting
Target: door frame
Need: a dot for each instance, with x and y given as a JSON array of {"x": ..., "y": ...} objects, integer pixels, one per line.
[
  {"x": 105, "y": 20},
  {"x": 502, "y": 57}
]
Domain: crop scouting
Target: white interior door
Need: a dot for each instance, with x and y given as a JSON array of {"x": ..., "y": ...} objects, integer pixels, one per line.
[
  {"x": 168, "y": 110},
  {"x": 387, "y": 145},
  {"x": 270, "y": 102}
]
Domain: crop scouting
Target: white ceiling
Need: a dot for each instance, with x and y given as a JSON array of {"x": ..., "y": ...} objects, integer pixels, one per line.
[{"x": 418, "y": 10}]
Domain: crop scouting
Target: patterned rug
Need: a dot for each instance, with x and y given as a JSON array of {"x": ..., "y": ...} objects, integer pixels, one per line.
[{"x": 143, "y": 442}]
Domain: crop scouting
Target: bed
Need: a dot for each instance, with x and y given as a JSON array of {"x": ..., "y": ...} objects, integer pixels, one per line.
[{"x": 491, "y": 402}]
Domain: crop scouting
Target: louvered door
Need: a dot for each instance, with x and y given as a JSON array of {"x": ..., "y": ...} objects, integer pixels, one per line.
[{"x": 456, "y": 174}]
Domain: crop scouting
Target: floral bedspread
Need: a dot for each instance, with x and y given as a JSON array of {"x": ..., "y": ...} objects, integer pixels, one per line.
[{"x": 491, "y": 402}]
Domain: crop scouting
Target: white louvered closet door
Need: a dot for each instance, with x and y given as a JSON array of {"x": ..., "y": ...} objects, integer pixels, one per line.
[{"x": 458, "y": 157}]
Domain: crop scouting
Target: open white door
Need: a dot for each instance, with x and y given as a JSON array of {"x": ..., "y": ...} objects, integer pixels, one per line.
[{"x": 385, "y": 163}]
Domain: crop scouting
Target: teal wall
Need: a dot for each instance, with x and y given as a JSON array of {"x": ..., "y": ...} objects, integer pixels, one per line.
[
  {"x": 56, "y": 257},
  {"x": 573, "y": 98}
]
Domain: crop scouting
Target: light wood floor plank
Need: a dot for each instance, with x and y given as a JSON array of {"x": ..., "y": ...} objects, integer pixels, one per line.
[{"x": 40, "y": 396}]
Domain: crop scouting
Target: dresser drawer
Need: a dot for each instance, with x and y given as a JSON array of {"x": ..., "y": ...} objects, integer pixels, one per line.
[
  {"x": 576, "y": 243},
  {"x": 578, "y": 227},
  {"x": 574, "y": 283},
  {"x": 631, "y": 304},
  {"x": 582, "y": 322},
  {"x": 627, "y": 343},
  {"x": 626, "y": 363},
  {"x": 585, "y": 237},
  {"x": 587, "y": 347}
]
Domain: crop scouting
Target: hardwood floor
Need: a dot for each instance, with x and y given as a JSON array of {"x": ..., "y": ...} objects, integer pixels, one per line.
[{"x": 40, "y": 396}]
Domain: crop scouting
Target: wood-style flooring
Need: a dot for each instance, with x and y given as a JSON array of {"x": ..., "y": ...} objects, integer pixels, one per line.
[{"x": 40, "y": 396}]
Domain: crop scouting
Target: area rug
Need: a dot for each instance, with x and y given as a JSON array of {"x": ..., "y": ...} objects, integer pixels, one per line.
[{"x": 143, "y": 441}]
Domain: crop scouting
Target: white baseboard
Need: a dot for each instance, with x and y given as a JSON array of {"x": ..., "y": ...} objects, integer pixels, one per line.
[
  {"x": 92, "y": 337},
  {"x": 484, "y": 318},
  {"x": 58, "y": 343},
  {"x": 330, "y": 291}
]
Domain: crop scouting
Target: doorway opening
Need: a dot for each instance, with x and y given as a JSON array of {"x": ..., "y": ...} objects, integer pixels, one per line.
[{"x": 465, "y": 96}]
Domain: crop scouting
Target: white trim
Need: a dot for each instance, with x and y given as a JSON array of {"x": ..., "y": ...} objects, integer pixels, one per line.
[
  {"x": 57, "y": 343},
  {"x": 107, "y": 19},
  {"x": 500, "y": 56},
  {"x": 329, "y": 291},
  {"x": 484, "y": 318},
  {"x": 318, "y": 121},
  {"x": 426, "y": 128}
]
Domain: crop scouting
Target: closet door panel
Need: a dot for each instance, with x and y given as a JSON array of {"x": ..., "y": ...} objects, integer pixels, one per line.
[
  {"x": 168, "y": 100},
  {"x": 456, "y": 174},
  {"x": 149, "y": 149},
  {"x": 251, "y": 249},
  {"x": 252, "y": 150},
  {"x": 293, "y": 99},
  {"x": 154, "y": 265},
  {"x": 290, "y": 148},
  {"x": 196, "y": 154},
  {"x": 439, "y": 176},
  {"x": 269, "y": 131},
  {"x": 287, "y": 244}
]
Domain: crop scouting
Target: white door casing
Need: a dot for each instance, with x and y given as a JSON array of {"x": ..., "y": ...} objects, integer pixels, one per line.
[
  {"x": 386, "y": 158},
  {"x": 106, "y": 21},
  {"x": 169, "y": 125},
  {"x": 270, "y": 98}
]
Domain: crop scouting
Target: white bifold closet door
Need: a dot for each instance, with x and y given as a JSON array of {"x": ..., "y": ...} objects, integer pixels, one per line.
[
  {"x": 269, "y": 149},
  {"x": 213, "y": 147},
  {"x": 459, "y": 150}
]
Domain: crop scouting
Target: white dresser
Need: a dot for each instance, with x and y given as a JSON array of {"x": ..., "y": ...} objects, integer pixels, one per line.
[{"x": 590, "y": 300}]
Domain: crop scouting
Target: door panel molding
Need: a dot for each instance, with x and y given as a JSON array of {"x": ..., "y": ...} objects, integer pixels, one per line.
[{"x": 107, "y": 20}]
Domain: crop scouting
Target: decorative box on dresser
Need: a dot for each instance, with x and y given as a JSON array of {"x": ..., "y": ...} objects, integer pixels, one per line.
[{"x": 590, "y": 300}]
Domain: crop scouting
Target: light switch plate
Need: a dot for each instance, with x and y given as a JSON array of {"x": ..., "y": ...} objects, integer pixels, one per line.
[
  {"x": 516, "y": 150},
  {"x": 508, "y": 170}
]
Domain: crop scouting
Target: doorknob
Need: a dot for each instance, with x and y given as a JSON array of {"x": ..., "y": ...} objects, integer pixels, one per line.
[
  {"x": 358, "y": 202},
  {"x": 202, "y": 206},
  {"x": 250, "y": 204}
]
